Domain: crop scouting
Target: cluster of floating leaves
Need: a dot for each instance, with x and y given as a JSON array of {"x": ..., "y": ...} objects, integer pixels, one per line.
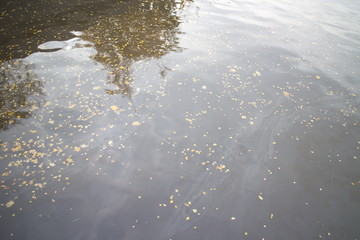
[{"x": 40, "y": 155}]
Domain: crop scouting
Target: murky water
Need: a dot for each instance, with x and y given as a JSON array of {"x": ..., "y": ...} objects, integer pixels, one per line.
[{"x": 201, "y": 119}]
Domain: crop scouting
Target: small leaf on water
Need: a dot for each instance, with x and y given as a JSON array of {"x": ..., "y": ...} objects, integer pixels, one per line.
[
  {"x": 69, "y": 160},
  {"x": 286, "y": 94},
  {"x": 114, "y": 108},
  {"x": 136, "y": 123},
  {"x": 9, "y": 203}
]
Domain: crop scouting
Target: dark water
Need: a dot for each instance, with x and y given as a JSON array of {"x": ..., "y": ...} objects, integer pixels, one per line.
[{"x": 201, "y": 119}]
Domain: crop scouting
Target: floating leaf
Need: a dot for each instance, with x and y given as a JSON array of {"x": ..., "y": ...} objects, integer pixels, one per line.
[
  {"x": 34, "y": 161},
  {"x": 69, "y": 160},
  {"x": 114, "y": 108},
  {"x": 189, "y": 120},
  {"x": 136, "y": 123},
  {"x": 9, "y": 203},
  {"x": 256, "y": 74},
  {"x": 4, "y": 187},
  {"x": 286, "y": 94}
]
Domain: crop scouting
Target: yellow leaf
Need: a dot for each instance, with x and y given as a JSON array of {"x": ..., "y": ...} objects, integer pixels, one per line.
[
  {"x": 77, "y": 149},
  {"x": 9, "y": 203},
  {"x": 34, "y": 161},
  {"x": 256, "y": 74},
  {"x": 189, "y": 120},
  {"x": 69, "y": 160},
  {"x": 18, "y": 148},
  {"x": 114, "y": 108},
  {"x": 136, "y": 123}
]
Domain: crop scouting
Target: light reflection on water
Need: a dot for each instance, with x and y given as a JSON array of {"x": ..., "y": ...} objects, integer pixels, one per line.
[{"x": 187, "y": 120}]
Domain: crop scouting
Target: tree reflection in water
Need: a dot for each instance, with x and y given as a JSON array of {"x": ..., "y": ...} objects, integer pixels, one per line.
[
  {"x": 140, "y": 33},
  {"x": 20, "y": 92}
]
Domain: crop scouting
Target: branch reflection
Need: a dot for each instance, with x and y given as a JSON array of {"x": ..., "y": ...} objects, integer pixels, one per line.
[
  {"x": 20, "y": 92},
  {"x": 140, "y": 33}
]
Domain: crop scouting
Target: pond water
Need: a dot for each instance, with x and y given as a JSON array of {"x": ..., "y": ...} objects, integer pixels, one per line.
[{"x": 179, "y": 119}]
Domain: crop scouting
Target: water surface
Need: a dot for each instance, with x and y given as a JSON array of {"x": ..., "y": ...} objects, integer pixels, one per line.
[{"x": 201, "y": 119}]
